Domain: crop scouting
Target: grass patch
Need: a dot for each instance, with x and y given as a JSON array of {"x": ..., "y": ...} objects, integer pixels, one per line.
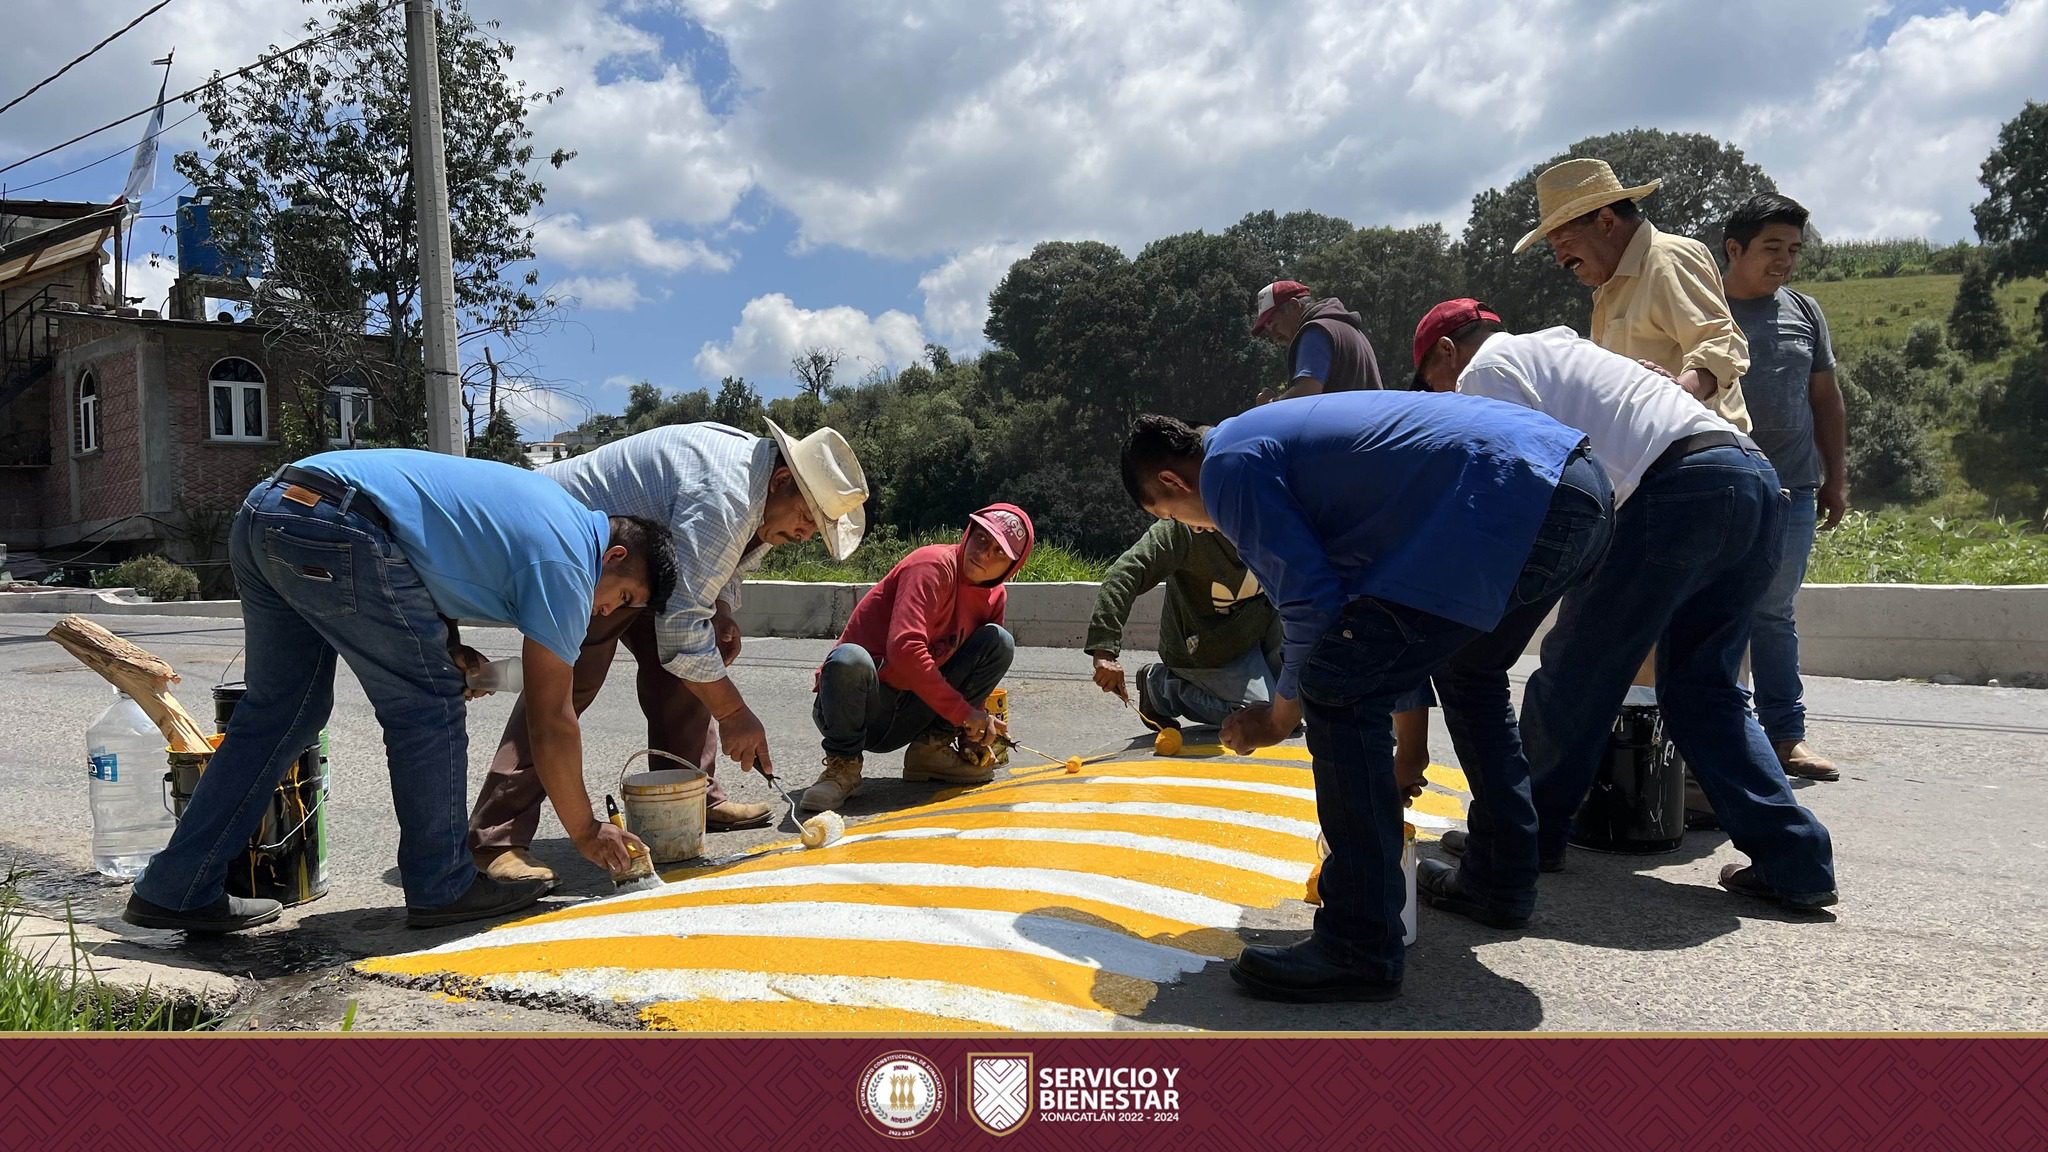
[
  {"x": 884, "y": 547},
  {"x": 1905, "y": 549},
  {"x": 1866, "y": 314},
  {"x": 71, "y": 998}
]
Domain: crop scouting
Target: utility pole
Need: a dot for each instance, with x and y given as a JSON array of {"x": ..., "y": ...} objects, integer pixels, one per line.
[{"x": 430, "y": 193}]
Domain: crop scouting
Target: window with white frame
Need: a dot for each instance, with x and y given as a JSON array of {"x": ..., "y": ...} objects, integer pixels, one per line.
[
  {"x": 235, "y": 400},
  {"x": 85, "y": 428},
  {"x": 345, "y": 409}
]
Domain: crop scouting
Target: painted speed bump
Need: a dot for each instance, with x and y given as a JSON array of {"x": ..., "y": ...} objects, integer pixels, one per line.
[{"x": 1045, "y": 901}]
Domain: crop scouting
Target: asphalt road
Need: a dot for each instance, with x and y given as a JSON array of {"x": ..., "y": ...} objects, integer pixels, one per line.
[{"x": 1940, "y": 827}]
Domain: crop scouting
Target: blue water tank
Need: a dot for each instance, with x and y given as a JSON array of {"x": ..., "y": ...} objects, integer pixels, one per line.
[{"x": 197, "y": 253}]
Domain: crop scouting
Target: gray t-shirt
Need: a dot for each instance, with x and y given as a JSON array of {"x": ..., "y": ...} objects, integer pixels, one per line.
[{"x": 1788, "y": 343}]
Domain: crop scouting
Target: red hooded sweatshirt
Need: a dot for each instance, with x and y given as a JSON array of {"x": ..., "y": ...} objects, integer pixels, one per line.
[{"x": 923, "y": 611}]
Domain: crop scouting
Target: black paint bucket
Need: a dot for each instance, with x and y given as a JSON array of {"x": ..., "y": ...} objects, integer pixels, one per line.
[
  {"x": 286, "y": 859},
  {"x": 1637, "y": 805}
]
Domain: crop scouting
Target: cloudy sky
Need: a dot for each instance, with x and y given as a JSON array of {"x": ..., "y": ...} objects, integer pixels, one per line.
[{"x": 756, "y": 176}]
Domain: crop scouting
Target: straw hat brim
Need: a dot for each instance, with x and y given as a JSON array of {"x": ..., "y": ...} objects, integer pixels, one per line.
[{"x": 1572, "y": 209}]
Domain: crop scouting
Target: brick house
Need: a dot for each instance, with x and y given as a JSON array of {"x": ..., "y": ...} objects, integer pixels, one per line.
[{"x": 121, "y": 431}]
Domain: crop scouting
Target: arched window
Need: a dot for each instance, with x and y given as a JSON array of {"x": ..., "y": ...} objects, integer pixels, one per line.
[
  {"x": 85, "y": 424},
  {"x": 235, "y": 396},
  {"x": 345, "y": 408}
]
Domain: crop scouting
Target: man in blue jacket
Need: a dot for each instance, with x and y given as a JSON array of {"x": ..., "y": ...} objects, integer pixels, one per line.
[{"x": 1401, "y": 539}]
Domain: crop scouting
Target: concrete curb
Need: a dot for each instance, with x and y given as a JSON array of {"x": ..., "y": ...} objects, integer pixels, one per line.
[
  {"x": 1863, "y": 631},
  {"x": 47, "y": 943}
]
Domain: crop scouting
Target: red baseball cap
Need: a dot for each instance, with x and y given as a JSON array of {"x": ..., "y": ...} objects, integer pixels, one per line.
[
  {"x": 1443, "y": 320},
  {"x": 1271, "y": 297},
  {"x": 1007, "y": 527}
]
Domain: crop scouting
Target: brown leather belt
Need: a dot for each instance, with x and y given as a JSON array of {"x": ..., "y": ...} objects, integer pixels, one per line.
[
  {"x": 1699, "y": 442},
  {"x": 320, "y": 486}
]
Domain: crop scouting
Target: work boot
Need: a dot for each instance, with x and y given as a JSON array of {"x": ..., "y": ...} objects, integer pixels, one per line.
[
  {"x": 512, "y": 865},
  {"x": 733, "y": 815},
  {"x": 1453, "y": 844},
  {"x": 840, "y": 780},
  {"x": 227, "y": 914},
  {"x": 935, "y": 757},
  {"x": 1316, "y": 970},
  {"x": 1437, "y": 884},
  {"x": 486, "y": 898},
  {"x": 1798, "y": 759}
]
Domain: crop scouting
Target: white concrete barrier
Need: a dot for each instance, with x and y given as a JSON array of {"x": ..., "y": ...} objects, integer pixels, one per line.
[{"x": 1866, "y": 631}]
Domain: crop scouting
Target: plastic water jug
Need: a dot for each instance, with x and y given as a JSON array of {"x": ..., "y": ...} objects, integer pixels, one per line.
[{"x": 126, "y": 763}]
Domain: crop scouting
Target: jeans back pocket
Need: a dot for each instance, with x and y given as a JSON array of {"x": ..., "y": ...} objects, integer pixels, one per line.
[{"x": 315, "y": 576}]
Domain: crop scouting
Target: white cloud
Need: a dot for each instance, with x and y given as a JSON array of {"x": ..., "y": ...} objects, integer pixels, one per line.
[
  {"x": 619, "y": 293},
  {"x": 772, "y": 329},
  {"x": 1891, "y": 140},
  {"x": 631, "y": 240},
  {"x": 542, "y": 412},
  {"x": 956, "y": 293}
]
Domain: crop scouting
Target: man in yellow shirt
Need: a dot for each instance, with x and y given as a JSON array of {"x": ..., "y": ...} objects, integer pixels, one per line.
[{"x": 1657, "y": 296}]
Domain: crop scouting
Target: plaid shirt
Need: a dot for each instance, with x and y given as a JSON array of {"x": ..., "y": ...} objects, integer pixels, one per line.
[{"x": 708, "y": 485}]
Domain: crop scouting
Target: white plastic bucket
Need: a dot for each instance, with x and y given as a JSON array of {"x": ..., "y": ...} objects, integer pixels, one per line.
[{"x": 665, "y": 808}]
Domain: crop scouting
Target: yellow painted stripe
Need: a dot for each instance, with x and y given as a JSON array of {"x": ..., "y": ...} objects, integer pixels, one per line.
[
  {"x": 1280, "y": 774},
  {"x": 1278, "y": 845},
  {"x": 1448, "y": 777},
  {"x": 1108, "y": 791},
  {"x": 797, "y": 1016},
  {"x": 1075, "y": 985},
  {"x": 1438, "y": 804},
  {"x": 1144, "y": 926},
  {"x": 1179, "y": 873}
]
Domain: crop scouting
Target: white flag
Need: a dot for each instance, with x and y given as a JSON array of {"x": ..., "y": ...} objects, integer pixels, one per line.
[{"x": 142, "y": 173}]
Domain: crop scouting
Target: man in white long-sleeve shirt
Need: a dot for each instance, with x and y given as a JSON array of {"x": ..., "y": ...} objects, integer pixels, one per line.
[{"x": 727, "y": 497}]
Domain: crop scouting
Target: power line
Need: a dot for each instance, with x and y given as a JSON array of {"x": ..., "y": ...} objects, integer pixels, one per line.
[
  {"x": 88, "y": 52},
  {"x": 186, "y": 95},
  {"x": 109, "y": 156}
]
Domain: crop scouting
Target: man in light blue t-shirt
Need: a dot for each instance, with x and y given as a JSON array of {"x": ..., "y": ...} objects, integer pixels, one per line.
[
  {"x": 372, "y": 556},
  {"x": 1800, "y": 423}
]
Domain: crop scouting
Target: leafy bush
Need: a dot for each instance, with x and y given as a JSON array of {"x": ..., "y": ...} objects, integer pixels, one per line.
[
  {"x": 154, "y": 577},
  {"x": 1924, "y": 345}
]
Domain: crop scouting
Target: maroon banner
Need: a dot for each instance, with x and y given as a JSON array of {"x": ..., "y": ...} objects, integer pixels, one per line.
[{"x": 369, "y": 1094}]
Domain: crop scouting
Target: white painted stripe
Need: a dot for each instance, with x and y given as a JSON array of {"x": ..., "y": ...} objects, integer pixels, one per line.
[
  {"x": 1308, "y": 794},
  {"x": 1305, "y": 829},
  {"x": 1431, "y": 820},
  {"x": 1044, "y": 937},
  {"x": 1166, "y": 903},
  {"x": 1289, "y": 870},
  {"x": 641, "y": 987}
]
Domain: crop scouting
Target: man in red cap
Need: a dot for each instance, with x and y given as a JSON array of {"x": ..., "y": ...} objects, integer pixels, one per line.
[
  {"x": 1327, "y": 349},
  {"x": 1696, "y": 541},
  {"x": 919, "y": 656}
]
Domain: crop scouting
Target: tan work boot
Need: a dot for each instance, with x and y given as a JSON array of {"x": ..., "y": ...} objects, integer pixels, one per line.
[
  {"x": 1799, "y": 760},
  {"x": 840, "y": 780},
  {"x": 935, "y": 758},
  {"x": 512, "y": 865},
  {"x": 732, "y": 815}
]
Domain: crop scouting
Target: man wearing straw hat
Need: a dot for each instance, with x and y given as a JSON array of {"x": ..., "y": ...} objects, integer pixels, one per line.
[
  {"x": 727, "y": 497},
  {"x": 1657, "y": 296}
]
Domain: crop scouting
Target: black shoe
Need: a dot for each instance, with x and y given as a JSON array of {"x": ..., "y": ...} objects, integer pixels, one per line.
[
  {"x": 1314, "y": 971},
  {"x": 1698, "y": 820},
  {"x": 1743, "y": 880},
  {"x": 485, "y": 899},
  {"x": 227, "y": 914},
  {"x": 1148, "y": 709},
  {"x": 1437, "y": 883},
  {"x": 1453, "y": 844}
]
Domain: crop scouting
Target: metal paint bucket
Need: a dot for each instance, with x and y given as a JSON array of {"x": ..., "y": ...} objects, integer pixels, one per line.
[
  {"x": 286, "y": 859},
  {"x": 665, "y": 808},
  {"x": 998, "y": 706},
  {"x": 1637, "y": 805}
]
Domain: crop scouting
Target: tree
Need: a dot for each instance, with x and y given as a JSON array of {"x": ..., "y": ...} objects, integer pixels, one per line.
[
  {"x": 1704, "y": 181},
  {"x": 1021, "y": 309},
  {"x": 813, "y": 368},
  {"x": 1390, "y": 277},
  {"x": 1976, "y": 327},
  {"x": 1889, "y": 460},
  {"x": 1286, "y": 242},
  {"x": 500, "y": 441},
  {"x": 1924, "y": 345},
  {"x": 738, "y": 405},
  {"x": 311, "y": 174},
  {"x": 2013, "y": 218}
]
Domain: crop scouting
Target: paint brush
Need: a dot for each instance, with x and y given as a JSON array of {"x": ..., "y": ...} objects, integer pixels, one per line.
[{"x": 639, "y": 875}]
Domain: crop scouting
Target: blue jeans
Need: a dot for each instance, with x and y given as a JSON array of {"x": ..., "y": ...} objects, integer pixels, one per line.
[
  {"x": 1210, "y": 695},
  {"x": 1774, "y": 636},
  {"x": 1378, "y": 651},
  {"x": 316, "y": 582},
  {"x": 855, "y": 712},
  {"x": 1694, "y": 549}
]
